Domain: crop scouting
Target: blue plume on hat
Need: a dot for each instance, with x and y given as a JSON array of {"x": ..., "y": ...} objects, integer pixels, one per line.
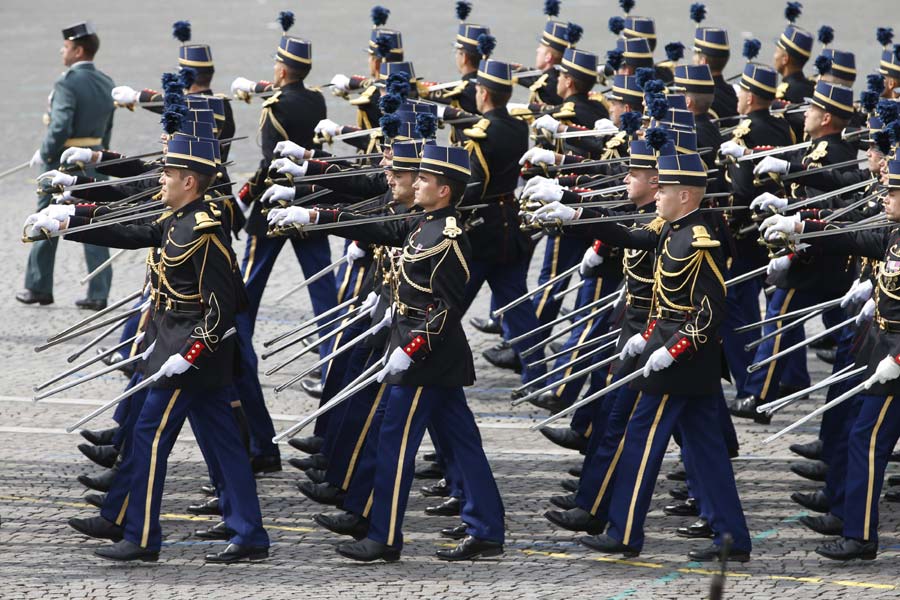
[
  {"x": 631, "y": 122},
  {"x": 698, "y": 12},
  {"x": 654, "y": 86},
  {"x": 643, "y": 75},
  {"x": 616, "y": 25},
  {"x": 463, "y": 9},
  {"x": 389, "y": 103},
  {"x": 168, "y": 79},
  {"x": 656, "y": 137},
  {"x": 486, "y": 44},
  {"x": 171, "y": 121},
  {"x": 893, "y": 129},
  {"x": 887, "y": 110},
  {"x": 379, "y": 15},
  {"x": 286, "y": 20},
  {"x": 426, "y": 125},
  {"x": 551, "y": 8},
  {"x": 792, "y": 11},
  {"x": 174, "y": 106},
  {"x": 187, "y": 76},
  {"x": 823, "y": 64},
  {"x": 875, "y": 83},
  {"x": 657, "y": 105},
  {"x": 751, "y": 48},
  {"x": 390, "y": 125},
  {"x": 885, "y": 35},
  {"x": 573, "y": 33},
  {"x": 882, "y": 141},
  {"x": 674, "y": 51},
  {"x": 869, "y": 100},
  {"x": 181, "y": 31},
  {"x": 614, "y": 59},
  {"x": 172, "y": 98},
  {"x": 626, "y": 5},
  {"x": 826, "y": 34},
  {"x": 382, "y": 46},
  {"x": 398, "y": 83}
]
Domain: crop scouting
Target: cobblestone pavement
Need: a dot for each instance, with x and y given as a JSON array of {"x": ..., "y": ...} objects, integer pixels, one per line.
[{"x": 40, "y": 557}]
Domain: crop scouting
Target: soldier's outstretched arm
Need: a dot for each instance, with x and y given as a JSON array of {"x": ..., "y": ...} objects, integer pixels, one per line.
[{"x": 116, "y": 235}]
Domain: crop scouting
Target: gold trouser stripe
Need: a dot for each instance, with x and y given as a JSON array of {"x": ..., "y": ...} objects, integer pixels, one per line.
[
  {"x": 345, "y": 282},
  {"x": 368, "y": 507},
  {"x": 396, "y": 497},
  {"x": 640, "y": 474},
  {"x": 871, "y": 481},
  {"x": 590, "y": 428},
  {"x": 777, "y": 345},
  {"x": 142, "y": 325},
  {"x": 615, "y": 461},
  {"x": 581, "y": 339},
  {"x": 124, "y": 508},
  {"x": 546, "y": 295},
  {"x": 351, "y": 466},
  {"x": 152, "y": 475},
  {"x": 249, "y": 268}
]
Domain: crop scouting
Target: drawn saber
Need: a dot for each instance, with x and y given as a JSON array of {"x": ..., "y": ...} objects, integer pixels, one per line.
[
  {"x": 778, "y": 331},
  {"x": 561, "y": 353},
  {"x": 88, "y": 377},
  {"x": 309, "y": 322},
  {"x": 554, "y": 323},
  {"x": 528, "y": 295},
  {"x": 769, "y": 359},
  {"x": 842, "y": 375},
  {"x": 78, "y": 333},
  {"x": 789, "y": 315},
  {"x": 93, "y": 317},
  {"x": 106, "y": 263},
  {"x": 316, "y": 331},
  {"x": 313, "y": 279},
  {"x": 86, "y": 363},
  {"x": 572, "y": 376},
  {"x": 319, "y": 342},
  {"x": 588, "y": 399},
  {"x": 15, "y": 169}
]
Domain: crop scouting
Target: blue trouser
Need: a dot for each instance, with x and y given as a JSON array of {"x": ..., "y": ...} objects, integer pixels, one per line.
[
  {"x": 836, "y": 477},
  {"x": 127, "y": 411},
  {"x": 507, "y": 283},
  {"x": 136, "y": 496},
  {"x": 646, "y": 437},
  {"x": 832, "y": 428},
  {"x": 134, "y": 324},
  {"x": 259, "y": 258},
  {"x": 408, "y": 411},
  {"x": 742, "y": 308},
  {"x": 560, "y": 253}
]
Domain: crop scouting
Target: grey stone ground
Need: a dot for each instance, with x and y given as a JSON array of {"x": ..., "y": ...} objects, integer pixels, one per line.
[{"x": 41, "y": 558}]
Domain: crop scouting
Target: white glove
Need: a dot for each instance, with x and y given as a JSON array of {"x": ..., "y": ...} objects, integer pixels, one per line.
[
  {"x": 354, "y": 252},
  {"x": 386, "y": 319},
  {"x": 590, "y": 260},
  {"x": 859, "y": 292},
  {"x": 441, "y": 109},
  {"x": 549, "y": 192},
  {"x": 73, "y": 155},
  {"x": 122, "y": 94},
  {"x": 605, "y": 126},
  {"x": 60, "y": 212},
  {"x": 58, "y": 178},
  {"x": 887, "y": 370},
  {"x": 145, "y": 355},
  {"x": 659, "y": 360},
  {"x": 242, "y": 84},
  {"x": 341, "y": 82},
  {"x": 730, "y": 148},
  {"x": 274, "y": 215},
  {"x": 538, "y": 156},
  {"x": 770, "y": 164},
  {"x": 36, "y": 159},
  {"x": 398, "y": 362},
  {"x": 634, "y": 346},
  {"x": 66, "y": 196},
  {"x": 174, "y": 365},
  {"x": 286, "y": 165},
  {"x": 777, "y": 265},
  {"x": 536, "y": 181},
  {"x": 293, "y": 215},
  {"x": 40, "y": 223},
  {"x": 369, "y": 304},
  {"x": 516, "y": 106},
  {"x": 779, "y": 223},
  {"x": 765, "y": 200},
  {"x": 328, "y": 127},
  {"x": 547, "y": 123},
  {"x": 289, "y": 148},
  {"x": 277, "y": 193},
  {"x": 867, "y": 312},
  {"x": 554, "y": 211}
]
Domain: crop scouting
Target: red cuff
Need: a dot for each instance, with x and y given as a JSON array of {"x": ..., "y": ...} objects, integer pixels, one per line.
[
  {"x": 597, "y": 245},
  {"x": 416, "y": 345},
  {"x": 194, "y": 351},
  {"x": 680, "y": 347},
  {"x": 649, "y": 331},
  {"x": 763, "y": 148},
  {"x": 897, "y": 359},
  {"x": 244, "y": 194}
]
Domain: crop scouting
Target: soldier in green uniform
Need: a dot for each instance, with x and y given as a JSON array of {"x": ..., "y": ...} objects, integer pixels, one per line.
[{"x": 81, "y": 114}]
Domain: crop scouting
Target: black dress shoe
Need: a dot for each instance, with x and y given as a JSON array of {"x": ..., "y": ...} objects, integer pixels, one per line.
[
  {"x": 745, "y": 408},
  {"x": 549, "y": 401},
  {"x": 100, "y": 437},
  {"x": 125, "y": 551},
  {"x": 105, "y": 456},
  {"x": 680, "y": 492},
  {"x": 97, "y": 527},
  {"x": 565, "y": 437},
  {"x": 811, "y": 450},
  {"x": 827, "y": 356},
  {"x": 28, "y": 297},
  {"x": 564, "y": 502},
  {"x": 815, "y": 501},
  {"x": 489, "y": 325},
  {"x": 893, "y": 480},
  {"x": 430, "y": 457},
  {"x": 570, "y": 485},
  {"x": 688, "y": 508},
  {"x": 429, "y": 471},
  {"x": 448, "y": 508},
  {"x": 713, "y": 553},
  {"x": 368, "y": 550},
  {"x": 90, "y": 304},
  {"x": 848, "y": 549},
  {"x": 698, "y": 529},
  {"x": 313, "y": 387},
  {"x": 677, "y": 474},
  {"x": 95, "y": 499},
  {"x": 574, "y": 471},
  {"x": 438, "y": 490},
  {"x": 813, "y": 470},
  {"x": 344, "y": 524},
  {"x": 101, "y": 482},
  {"x": 576, "y": 519},
  {"x": 316, "y": 461},
  {"x": 471, "y": 548},
  {"x": 219, "y": 531},
  {"x": 209, "y": 489},
  {"x": 607, "y": 545},
  {"x": 503, "y": 356},
  {"x": 234, "y": 553},
  {"x": 316, "y": 475},
  {"x": 456, "y": 532},
  {"x": 825, "y": 525},
  {"x": 210, "y": 507},
  {"x": 323, "y": 493},
  {"x": 265, "y": 464},
  {"x": 311, "y": 445},
  {"x": 892, "y": 496}
]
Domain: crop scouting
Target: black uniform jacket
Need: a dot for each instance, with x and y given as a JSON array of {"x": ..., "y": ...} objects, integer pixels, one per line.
[
  {"x": 724, "y": 106},
  {"x": 542, "y": 87}
]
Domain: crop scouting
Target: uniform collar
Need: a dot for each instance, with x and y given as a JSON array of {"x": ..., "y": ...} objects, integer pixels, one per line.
[
  {"x": 190, "y": 207},
  {"x": 295, "y": 85},
  {"x": 470, "y": 75},
  {"x": 83, "y": 64},
  {"x": 500, "y": 111},
  {"x": 647, "y": 208},
  {"x": 447, "y": 211},
  {"x": 685, "y": 220}
]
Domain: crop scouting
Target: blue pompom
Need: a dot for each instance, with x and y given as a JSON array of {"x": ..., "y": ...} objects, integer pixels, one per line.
[
  {"x": 168, "y": 79},
  {"x": 379, "y": 15},
  {"x": 286, "y": 20},
  {"x": 656, "y": 137},
  {"x": 398, "y": 83},
  {"x": 675, "y": 51},
  {"x": 875, "y": 83},
  {"x": 887, "y": 110},
  {"x": 426, "y": 126},
  {"x": 390, "y": 125},
  {"x": 893, "y": 129},
  {"x": 751, "y": 48},
  {"x": 644, "y": 74},
  {"x": 626, "y": 5},
  {"x": 187, "y": 76},
  {"x": 181, "y": 31},
  {"x": 389, "y": 103},
  {"x": 654, "y": 86},
  {"x": 171, "y": 121},
  {"x": 631, "y": 122},
  {"x": 885, "y": 35},
  {"x": 551, "y": 8},
  {"x": 463, "y": 9},
  {"x": 573, "y": 33},
  {"x": 792, "y": 11},
  {"x": 614, "y": 59},
  {"x": 823, "y": 64},
  {"x": 382, "y": 46},
  {"x": 172, "y": 98},
  {"x": 826, "y": 34},
  {"x": 657, "y": 105},
  {"x": 698, "y": 12},
  {"x": 882, "y": 141},
  {"x": 486, "y": 44},
  {"x": 869, "y": 100}
]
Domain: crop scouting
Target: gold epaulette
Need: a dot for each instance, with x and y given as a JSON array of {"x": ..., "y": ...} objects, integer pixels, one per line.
[
  {"x": 655, "y": 225},
  {"x": 539, "y": 82},
  {"x": 702, "y": 239},
  {"x": 365, "y": 97},
  {"x": 820, "y": 151},
  {"x": 451, "y": 229},
  {"x": 782, "y": 89},
  {"x": 204, "y": 221},
  {"x": 616, "y": 140},
  {"x": 273, "y": 99},
  {"x": 566, "y": 111},
  {"x": 478, "y": 131},
  {"x": 742, "y": 129},
  {"x": 164, "y": 216}
]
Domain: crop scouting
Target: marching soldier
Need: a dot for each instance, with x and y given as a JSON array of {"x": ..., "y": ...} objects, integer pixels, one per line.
[
  {"x": 549, "y": 53},
  {"x": 792, "y": 51},
  {"x": 711, "y": 48}
]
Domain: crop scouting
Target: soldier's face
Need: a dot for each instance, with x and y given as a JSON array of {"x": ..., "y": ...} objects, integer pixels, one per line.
[
  {"x": 813, "y": 121},
  {"x": 401, "y": 185},
  {"x": 875, "y": 158},
  {"x": 563, "y": 82},
  {"x": 374, "y": 65},
  {"x": 892, "y": 205},
  {"x": 672, "y": 202},
  {"x": 174, "y": 187},
  {"x": 744, "y": 99},
  {"x": 616, "y": 109},
  {"x": 428, "y": 194},
  {"x": 641, "y": 185},
  {"x": 698, "y": 59},
  {"x": 779, "y": 59},
  {"x": 542, "y": 58},
  {"x": 70, "y": 53}
]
